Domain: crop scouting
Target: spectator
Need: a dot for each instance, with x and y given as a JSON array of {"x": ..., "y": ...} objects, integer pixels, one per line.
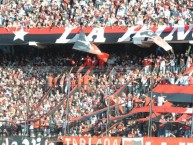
[
  {"x": 187, "y": 129},
  {"x": 172, "y": 64},
  {"x": 17, "y": 83},
  {"x": 162, "y": 122},
  {"x": 163, "y": 66},
  {"x": 160, "y": 100},
  {"x": 168, "y": 127},
  {"x": 93, "y": 13}
]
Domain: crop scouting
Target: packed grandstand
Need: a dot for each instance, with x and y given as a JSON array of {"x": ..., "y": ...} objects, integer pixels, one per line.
[
  {"x": 123, "y": 90},
  {"x": 95, "y": 13}
]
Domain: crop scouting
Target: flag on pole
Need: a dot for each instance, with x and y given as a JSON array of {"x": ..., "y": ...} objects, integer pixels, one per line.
[
  {"x": 83, "y": 44},
  {"x": 188, "y": 51},
  {"x": 102, "y": 56},
  {"x": 157, "y": 40},
  {"x": 162, "y": 43}
]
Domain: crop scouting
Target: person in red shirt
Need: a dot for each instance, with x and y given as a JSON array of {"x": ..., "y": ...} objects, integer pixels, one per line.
[
  {"x": 86, "y": 81},
  {"x": 147, "y": 100},
  {"x": 50, "y": 80},
  {"x": 147, "y": 63},
  {"x": 101, "y": 64},
  {"x": 162, "y": 121},
  {"x": 80, "y": 81},
  {"x": 157, "y": 64},
  {"x": 36, "y": 127},
  {"x": 46, "y": 127},
  {"x": 88, "y": 61}
]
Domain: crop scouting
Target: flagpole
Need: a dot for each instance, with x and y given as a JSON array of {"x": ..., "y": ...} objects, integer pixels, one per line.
[
  {"x": 67, "y": 102},
  {"x": 108, "y": 111},
  {"x": 108, "y": 104},
  {"x": 191, "y": 122},
  {"x": 150, "y": 118},
  {"x": 67, "y": 113},
  {"x": 27, "y": 103}
]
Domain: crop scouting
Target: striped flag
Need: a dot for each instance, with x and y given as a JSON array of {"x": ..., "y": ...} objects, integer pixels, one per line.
[
  {"x": 83, "y": 44},
  {"x": 102, "y": 56}
]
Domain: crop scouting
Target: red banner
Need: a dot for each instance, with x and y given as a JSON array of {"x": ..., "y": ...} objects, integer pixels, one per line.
[{"x": 125, "y": 141}]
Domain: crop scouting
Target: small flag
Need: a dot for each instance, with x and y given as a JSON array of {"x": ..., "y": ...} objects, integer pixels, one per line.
[
  {"x": 33, "y": 43},
  {"x": 83, "y": 44}
]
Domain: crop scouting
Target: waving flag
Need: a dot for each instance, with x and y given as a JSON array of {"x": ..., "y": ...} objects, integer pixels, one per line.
[
  {"x": 157, "y": 40},
  {"x": 148, "y": 33},
  {"x": 102, "y": 56},
  {"x": 83, "y": 44},
  {"x": 162, "y": 43}
]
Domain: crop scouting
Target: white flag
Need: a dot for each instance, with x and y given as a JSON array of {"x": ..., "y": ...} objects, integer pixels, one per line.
[{"x": 162, "y": 43}]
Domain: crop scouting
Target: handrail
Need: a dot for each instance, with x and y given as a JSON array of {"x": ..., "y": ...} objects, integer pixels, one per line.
[
  {"x": 71, "y": 92},
  {"x": 102, "y": 134},
  {"x": 42, "y": 98},
  {"x": 61, "y": 102},
  {"x": 101, "y": 110}
]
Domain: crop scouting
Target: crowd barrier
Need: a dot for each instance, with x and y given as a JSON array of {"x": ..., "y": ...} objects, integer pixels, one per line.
[{"x": 67, "y": 140}]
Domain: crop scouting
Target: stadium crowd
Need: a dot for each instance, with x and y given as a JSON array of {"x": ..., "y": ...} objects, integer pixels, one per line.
[
  {"x": 32, "y": 86},
  {"x": 94, "y": 13},
  {"x": 39, "y": 83}
]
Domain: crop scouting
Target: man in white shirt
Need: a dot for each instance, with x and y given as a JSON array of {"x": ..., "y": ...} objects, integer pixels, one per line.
[
  {"x": 163, "y": 66},
  {"x": 160, "y": 100}
]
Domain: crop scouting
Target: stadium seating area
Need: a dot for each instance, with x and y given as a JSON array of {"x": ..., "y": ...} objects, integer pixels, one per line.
[
  {"x": 95, "y": 13},
  {"x": 37, "y": 82}
]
